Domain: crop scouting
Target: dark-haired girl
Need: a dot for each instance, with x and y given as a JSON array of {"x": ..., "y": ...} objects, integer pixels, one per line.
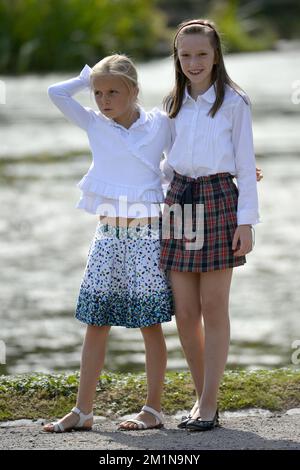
[{"x": 213, "y": 144}]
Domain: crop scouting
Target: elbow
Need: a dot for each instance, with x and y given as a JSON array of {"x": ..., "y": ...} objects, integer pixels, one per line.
[{"x": 51, "y": 91}]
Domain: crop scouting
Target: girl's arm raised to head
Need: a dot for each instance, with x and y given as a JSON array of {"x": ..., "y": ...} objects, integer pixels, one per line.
[
  {"x": 242, "y": 138},
  {"x": 61, "y": 95}
]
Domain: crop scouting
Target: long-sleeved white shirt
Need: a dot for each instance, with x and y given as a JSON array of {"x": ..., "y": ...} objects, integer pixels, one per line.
[
  {"x": 124, "y": 178},
  {"x": 203, "y": 145}
]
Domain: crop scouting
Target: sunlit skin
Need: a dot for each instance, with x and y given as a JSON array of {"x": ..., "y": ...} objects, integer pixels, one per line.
[
  {"x": 197, "y": 58},
  {"x": 115, "y": 99}
]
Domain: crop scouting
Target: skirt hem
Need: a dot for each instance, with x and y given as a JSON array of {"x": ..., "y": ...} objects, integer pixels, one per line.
[
  {"x": 122, "y": 324},
  {"x": 200, "y": 270}
]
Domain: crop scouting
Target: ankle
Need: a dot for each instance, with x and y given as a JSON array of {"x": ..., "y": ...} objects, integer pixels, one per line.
[
  {"x": 196, "y": 405},
  {"x": 85, "y": 410},
  {"x": 208, "y": 408},
  {"x": 155, "y": 406}
]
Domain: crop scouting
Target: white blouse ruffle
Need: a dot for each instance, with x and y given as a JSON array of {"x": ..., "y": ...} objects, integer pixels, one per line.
[
  {"x": 89, "y": 184},
  {"x": 111, "y": 207}
]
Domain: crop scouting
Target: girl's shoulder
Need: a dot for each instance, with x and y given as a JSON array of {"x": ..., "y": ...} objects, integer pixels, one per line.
[
  {"x": 99, "y": 117},
  {"x": 156, "y": 113},
  {"x": 157, "y": 117},
  {"x": 235, "y": 97}
]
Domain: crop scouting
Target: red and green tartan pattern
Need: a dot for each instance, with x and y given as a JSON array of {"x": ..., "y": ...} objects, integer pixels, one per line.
[{"x": 219, "y": 195}]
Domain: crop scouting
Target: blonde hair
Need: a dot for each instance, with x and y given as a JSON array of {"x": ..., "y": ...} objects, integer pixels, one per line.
[{"x": 119, "y": 65}]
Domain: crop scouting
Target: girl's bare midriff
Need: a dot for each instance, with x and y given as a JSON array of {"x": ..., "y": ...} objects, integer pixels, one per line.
[{"x": 124, "y": 221}]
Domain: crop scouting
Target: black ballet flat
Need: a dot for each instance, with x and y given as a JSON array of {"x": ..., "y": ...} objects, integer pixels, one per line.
[
  {"x": 184, "y": 421},
  {"x": 199, "y": 425}
]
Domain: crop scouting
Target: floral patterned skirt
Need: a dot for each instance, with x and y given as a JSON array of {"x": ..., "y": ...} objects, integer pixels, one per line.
[{"x": 123, "y": 284}]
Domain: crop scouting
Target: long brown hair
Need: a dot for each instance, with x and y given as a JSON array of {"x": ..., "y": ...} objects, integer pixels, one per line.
[{"x": 172, "y": 102}]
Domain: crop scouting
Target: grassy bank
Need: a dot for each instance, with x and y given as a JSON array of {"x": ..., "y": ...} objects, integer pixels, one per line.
[{"x": 48, "y": 395}]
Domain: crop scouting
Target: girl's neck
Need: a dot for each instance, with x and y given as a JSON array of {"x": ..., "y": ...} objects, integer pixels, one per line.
[
  {"x": 198, "y": 88},
  {"x": 127, "y": 119}
]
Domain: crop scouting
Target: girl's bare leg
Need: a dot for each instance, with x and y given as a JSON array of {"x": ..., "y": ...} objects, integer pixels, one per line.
[
  {"x": 186, "y": 291},
  {"x": 214, "y": 288},
  {"x": 92, "y": 360},
  {"x": 156, "y": 362}
]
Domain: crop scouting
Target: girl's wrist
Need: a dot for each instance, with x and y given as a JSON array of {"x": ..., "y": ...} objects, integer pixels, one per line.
[{"x": 85, "y": 74}]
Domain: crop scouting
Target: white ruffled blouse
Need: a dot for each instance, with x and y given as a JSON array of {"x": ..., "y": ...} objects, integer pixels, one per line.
[{"x": 125, "y": 177}]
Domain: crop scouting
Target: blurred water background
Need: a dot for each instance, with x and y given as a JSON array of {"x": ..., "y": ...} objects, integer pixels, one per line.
[{"x": 44, "y": 239}]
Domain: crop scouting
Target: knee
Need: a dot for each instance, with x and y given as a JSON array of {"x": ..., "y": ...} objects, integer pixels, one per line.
[
  {"x": 214, "y": 302},
  {"x": 187, "y": 316},
  {"x": 214, "y": 309}
]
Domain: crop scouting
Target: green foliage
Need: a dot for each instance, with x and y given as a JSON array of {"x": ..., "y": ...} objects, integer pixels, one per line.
[
  {"x": 49, "y": 395},
  {"x": 60, "y": 34},
  {"x": 50, "y": 385},
  {"x": 278, "y": 18},
  {"x": 272, "y": 389},
  {"x": 240, "y": 29},
  {"x": 46, "y": 35}
]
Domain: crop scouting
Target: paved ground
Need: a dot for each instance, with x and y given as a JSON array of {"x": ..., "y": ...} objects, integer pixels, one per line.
[{"x": 251, "y": 429}]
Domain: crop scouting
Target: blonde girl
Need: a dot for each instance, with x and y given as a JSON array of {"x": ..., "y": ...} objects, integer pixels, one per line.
[
  {"x": 122, "y": 283},
  {"x": 212, "y": 144}
]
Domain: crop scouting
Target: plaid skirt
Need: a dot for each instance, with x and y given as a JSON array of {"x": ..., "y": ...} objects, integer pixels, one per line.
[{"x": 197, "y": 236}]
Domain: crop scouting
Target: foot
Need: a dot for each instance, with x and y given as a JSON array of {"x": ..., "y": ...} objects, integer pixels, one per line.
[
  {"x": 145, "y": 416},
  {"x": 210, "y": 421},
  {"x": 193, "y": 414},
  {"x": 68, "y": 421}
]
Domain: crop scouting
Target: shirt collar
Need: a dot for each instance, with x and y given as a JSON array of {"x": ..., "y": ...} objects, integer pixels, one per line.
[
  {"x": 141, "y": 120},
  {"x": 209, "y": 95}
]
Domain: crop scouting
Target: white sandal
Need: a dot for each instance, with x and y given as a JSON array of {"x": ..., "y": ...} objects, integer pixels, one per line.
[
  {"x": 141, "y": 424},
  {"x": 59, "y": 427}
]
